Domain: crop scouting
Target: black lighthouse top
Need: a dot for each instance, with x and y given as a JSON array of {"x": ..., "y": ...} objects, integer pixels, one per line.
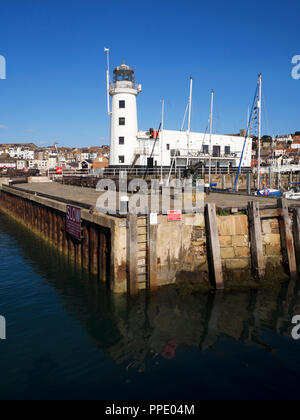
[{"x": 123, "y": 72}]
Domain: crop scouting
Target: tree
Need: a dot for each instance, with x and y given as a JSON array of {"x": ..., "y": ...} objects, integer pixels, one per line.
[
  {"x": 267, "y": 139},
  {"x": 254, "y": 143}
]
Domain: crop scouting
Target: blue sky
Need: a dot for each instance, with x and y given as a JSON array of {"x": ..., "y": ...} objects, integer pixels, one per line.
[{"x": 55, "y": 86}]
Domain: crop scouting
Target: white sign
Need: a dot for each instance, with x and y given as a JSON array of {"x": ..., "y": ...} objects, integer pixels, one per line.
[{"x": 153, "y": 219}]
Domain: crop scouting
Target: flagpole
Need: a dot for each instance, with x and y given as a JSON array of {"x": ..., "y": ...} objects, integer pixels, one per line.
[{"x": 107, "y": 51}]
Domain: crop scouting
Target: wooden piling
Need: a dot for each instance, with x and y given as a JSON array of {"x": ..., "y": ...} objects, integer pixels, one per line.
[
  {"x": 43, "y": 221},
  {"x": 71, "y": 242},
  {"x": 287, "y": 239},
  {"x": 258, "y": 263},
  {"x": 296, "y": 229},
  {"x": 132, "y": 250},
  {"x": 214, "y": 246},
  {"x": 60, "y": 233},
  {"x": 55, "y": 229},
  {"x": 78, "y": 252},
  {"x": 50, "y": 225},
  {"x": 86, "y": 245},
  {"x": 93, "y": 249},
  {"x": 102, "y": 256}
]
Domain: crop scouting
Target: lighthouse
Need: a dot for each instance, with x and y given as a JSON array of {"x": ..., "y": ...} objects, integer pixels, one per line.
[{"x": 124, "y": 125}]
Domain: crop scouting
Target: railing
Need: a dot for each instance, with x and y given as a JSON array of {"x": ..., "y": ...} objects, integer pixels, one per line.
[
  {"x": 185, "y": 154},
  {"x": 140, "y": 172},
  {"x": 279, "y": 169},
  {"x": 124, "y": 84},
  {"x": 145, "y": 151}
]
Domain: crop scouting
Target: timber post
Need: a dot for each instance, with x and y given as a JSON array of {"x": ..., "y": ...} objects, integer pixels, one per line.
[
  {"x": 258, "y": 263},
  {"x": 214, "y": 246}
]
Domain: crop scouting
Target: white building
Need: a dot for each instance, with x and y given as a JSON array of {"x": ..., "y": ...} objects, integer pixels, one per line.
[
  {"x": 38, "y": 164},
  {"x": 20, "y": 152},
  {"x": 21, "y": 164},
  {"x": 281, "y": 138},
  {"x": 224, "y": 150},
  {"x": 296, "y": 145},
  {"x": 85, "y": 155},
  {"x": 131, "y": 147},
  {"x": 52, "y": 160}
]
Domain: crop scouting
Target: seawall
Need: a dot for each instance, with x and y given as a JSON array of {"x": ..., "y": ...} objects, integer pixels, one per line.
[{"x": 203, "y": 250}]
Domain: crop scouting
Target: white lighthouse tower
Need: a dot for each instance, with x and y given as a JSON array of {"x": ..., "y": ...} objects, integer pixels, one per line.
[{"x": 124, "y": 126}]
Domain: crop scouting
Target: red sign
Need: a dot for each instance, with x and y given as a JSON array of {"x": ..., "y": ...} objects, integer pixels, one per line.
[
  {"x": 73, "y": 226},
  {"x": 174, "y": 216},
  {"x": 59, "y": 170}
]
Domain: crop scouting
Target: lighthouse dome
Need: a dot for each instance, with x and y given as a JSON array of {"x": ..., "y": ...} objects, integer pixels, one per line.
[{"x": 123, "y": 73}]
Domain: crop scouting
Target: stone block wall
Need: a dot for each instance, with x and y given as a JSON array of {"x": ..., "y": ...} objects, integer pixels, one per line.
[
  {"x": 182, "y": 246},
  {"x": 271, "y": 241},
  {"x": 234, "y": 242}
]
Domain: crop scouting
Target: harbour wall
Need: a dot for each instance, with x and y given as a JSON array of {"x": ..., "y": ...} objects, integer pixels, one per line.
[{"x": 203, "y": 250}]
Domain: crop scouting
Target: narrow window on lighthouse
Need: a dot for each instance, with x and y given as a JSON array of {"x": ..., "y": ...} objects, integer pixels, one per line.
[
  {"x": 121, "y": 140},
  {"x": 122, "y": 121},
  {"x": 121, "y": 159},
  {"x": 121, "y": 104}
]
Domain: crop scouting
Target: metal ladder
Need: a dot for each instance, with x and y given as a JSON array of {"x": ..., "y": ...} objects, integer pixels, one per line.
[{"x": 142, "y": 257}]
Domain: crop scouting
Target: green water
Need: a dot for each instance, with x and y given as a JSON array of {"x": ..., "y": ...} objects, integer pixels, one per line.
[{"x": 68, "y": 338}]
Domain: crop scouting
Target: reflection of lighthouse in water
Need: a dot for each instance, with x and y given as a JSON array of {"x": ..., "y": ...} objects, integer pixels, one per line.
[{"x": 124, "y": 125}]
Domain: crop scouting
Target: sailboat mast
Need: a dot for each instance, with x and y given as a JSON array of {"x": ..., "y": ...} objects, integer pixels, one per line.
[
  {"x": 210, "y": 134},
  {"x": 259, "y": 131},
  {"x": 189, "y": 121},
  {"x": 161, "y": 139},
  {"x": 273, "y": 161}
]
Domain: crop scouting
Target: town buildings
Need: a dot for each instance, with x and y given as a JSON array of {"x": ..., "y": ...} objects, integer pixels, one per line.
[
  {"x": 284, "y": 150},
  {"x": 24, "y": 157}
]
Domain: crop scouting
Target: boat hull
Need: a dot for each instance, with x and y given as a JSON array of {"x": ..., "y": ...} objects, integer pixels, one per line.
[{"x": 269, "y": 193}]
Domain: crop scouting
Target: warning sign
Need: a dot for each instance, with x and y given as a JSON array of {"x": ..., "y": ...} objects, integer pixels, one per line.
[
  {"x": 73, "y": 226},
  {"x": 174, "y": 216}
]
